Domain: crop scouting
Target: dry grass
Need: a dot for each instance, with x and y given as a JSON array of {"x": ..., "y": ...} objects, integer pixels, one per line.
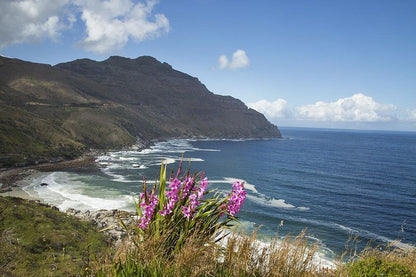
[
  {"x": 240, "y": 255},
  {"x": 243, "y": 255},
  {"x": 294, "y": 256}
]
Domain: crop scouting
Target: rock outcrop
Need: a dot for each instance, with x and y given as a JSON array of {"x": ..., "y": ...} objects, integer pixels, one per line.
[{"x": 108, "y": 221}]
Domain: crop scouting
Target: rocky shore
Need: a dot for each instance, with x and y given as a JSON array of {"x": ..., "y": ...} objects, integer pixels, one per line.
[{"x": 107, "y": 221}]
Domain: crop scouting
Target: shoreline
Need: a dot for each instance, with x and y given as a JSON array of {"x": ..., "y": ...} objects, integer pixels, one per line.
[
  {"x": 105, "y": 219},
  {"x": 22, "y": 179},
  {"x": 12, "y": 180}
]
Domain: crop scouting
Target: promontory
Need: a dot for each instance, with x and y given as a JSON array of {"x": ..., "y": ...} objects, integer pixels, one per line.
[{"x": 58, "y": 112}]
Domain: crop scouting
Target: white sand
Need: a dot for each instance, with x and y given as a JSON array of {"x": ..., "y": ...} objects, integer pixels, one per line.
[{"x": 17, "y": 190}]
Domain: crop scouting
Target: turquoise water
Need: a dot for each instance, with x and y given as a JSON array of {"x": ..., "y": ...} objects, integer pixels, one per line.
[{"x": 335, "y": 183}]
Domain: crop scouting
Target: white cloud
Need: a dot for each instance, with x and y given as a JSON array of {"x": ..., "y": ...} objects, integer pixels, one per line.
[
  {"x": 412, "y": 115},
  {"x": 222, "y": 61},
  {"x": 110, "y": 24},
  {"x": 275, "y": 109},
  {"x": 358, "y": 107},
  {"x": 31, "y": 20},
  {"x": 238, "y": 60}
]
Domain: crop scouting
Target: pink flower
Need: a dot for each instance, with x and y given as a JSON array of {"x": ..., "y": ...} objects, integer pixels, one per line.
[
  {"x": 172, "y": 196},
  {"x": 148, "y": 209},
  {"x": 194, "y": 202},
  {"x": 196, "y": 195},
  {"x": 187, "y": 186},
  {"x": 186, "y": 211},
  {"x": 237, "y": 198},
  {"x": 202, "y": 187}
]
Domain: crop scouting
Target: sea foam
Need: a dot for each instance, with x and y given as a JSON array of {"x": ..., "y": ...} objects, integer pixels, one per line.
[{"x": 65, "y": 192}]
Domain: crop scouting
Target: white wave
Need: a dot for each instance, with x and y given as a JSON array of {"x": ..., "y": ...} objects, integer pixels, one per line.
[
  {"x": 79, "y": 201},
  {"x": 114, "y": 176},
  {"x": 191, "y": 159},
  {"x": 373, "y": 236},
  {"x": 354, "y": 232},
  {"x": 261, "y": 198},
  {"x": 66, "y": 192},
  {"x": 281, "y": 203},
  {"x": 104, "y": 158},
  {"x": 147, "y": 181},
  {"x": 206, "y": 150},
  {"x": 272, "y": 202},
  {"x": 169, "y": 161},
  {"x": 173, "y": 146},
  {"x": 116, "y": 166},
  {"x": 153, "y": 156},
  {"x": 342, "y": 227},
  {"x": 127, "y": 158},
  {"x": 219, "y": 181}
]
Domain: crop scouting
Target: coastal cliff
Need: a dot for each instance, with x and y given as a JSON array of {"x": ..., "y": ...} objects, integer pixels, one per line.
[{"x": 58, "y": 112}]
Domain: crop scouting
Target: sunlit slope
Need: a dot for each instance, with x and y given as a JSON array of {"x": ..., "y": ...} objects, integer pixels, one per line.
[{"x": 60, "y": 111}]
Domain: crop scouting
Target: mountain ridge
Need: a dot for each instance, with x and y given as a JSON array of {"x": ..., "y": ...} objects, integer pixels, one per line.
[{"x": 63, "y": 110}]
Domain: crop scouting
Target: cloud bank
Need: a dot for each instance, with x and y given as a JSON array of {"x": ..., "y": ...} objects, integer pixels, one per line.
[
  {"x": 238, "y": 60},
  {"x": 32, "y": 20},
  {"x": 412, "y": 115},
  {"x": 275, "y": 109},
  {"x": 357, "y": 108},
  {"x": 109, "y": 24}
]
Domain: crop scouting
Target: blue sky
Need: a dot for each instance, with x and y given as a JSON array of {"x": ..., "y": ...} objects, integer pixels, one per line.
[{"x": 337, "y": 64}]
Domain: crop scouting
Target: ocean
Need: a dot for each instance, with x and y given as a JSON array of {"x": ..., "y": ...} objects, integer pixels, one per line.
[{"x": 336, "y": 184}]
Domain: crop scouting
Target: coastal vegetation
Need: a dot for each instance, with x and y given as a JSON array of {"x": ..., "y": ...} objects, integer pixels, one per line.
[
  {"x": 38, "y": 240},
  {"x": 180, "y": 228}
]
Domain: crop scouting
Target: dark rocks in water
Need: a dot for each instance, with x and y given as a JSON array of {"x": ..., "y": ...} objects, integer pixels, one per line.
[
  {"x": 5, "y": 189},
  {"x": 43, "y": 184}
]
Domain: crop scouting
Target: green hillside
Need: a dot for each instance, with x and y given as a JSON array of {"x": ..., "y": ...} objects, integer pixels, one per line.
[{"x": 49, "y": 112}]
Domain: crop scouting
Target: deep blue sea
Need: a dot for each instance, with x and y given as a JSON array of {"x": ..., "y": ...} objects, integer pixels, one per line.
[{"x": 334, "y": 183}]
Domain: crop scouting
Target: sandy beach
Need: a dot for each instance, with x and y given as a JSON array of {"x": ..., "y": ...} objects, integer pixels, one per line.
[
  {"x": 23, "y": 178},
  {"x": 14, "y": 179}
]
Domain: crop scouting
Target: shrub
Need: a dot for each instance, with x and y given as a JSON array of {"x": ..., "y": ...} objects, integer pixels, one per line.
[
  {"x": 381, "y": 261},
  {"x": 373, "y": 266}
]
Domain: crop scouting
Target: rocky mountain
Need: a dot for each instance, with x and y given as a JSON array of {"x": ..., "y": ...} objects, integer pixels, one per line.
[{"x": 60, "y": 111}]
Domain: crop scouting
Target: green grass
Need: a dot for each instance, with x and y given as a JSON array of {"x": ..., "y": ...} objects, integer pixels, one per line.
[
  {"x": 389, "y": 261},
  {"x": 25, "y": 137},
  {"x": 30, "y": 134},
  {"x": 36, "y": 240}
]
